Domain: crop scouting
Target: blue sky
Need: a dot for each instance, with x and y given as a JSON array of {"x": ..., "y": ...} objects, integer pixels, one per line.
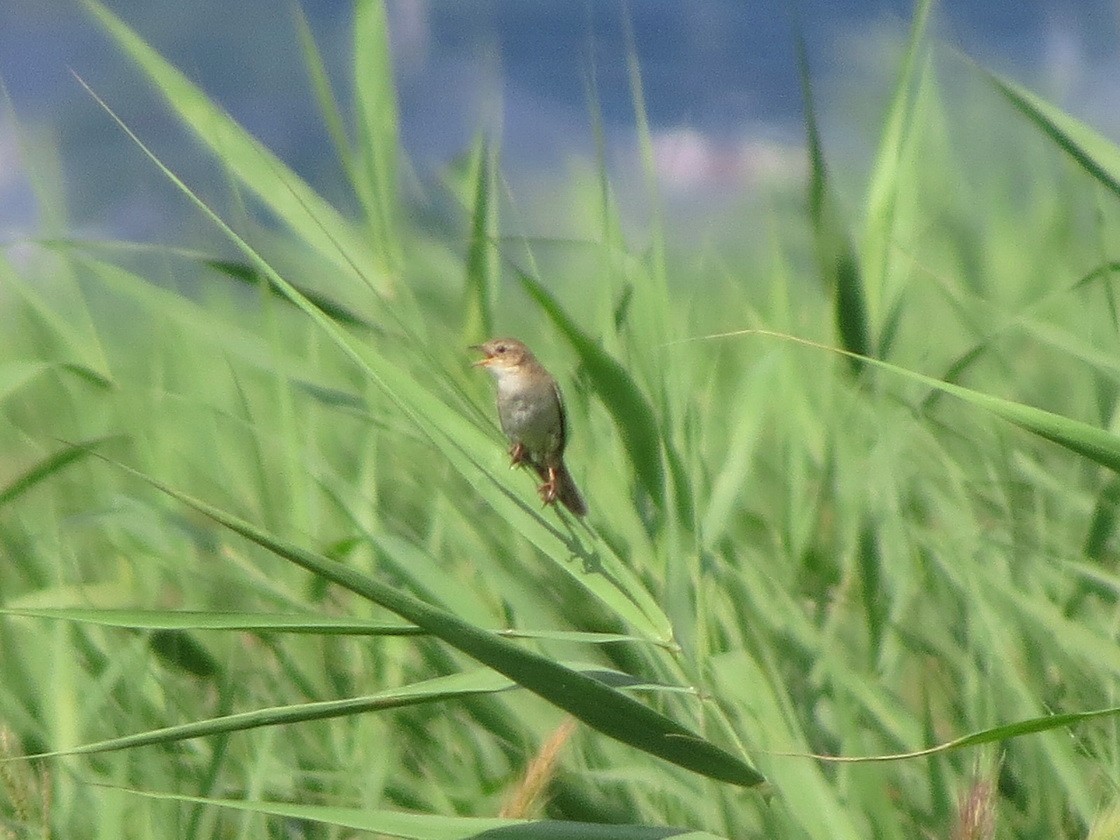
[{"x": 719, "y": 79}]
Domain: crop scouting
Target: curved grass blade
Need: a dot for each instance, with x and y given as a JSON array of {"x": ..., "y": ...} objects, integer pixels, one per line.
[
  {"x": 241, "y": 272},
  {"x": 49, "y": 466},
  {"x": 239, "y": 344},
  {"x": 205, "y": 620},
  {"x": 628, "y": 406},
  {"x": 594, "y": 566},
  {"x": 88, "y": 374},
  {"x": 453, "y": 687},
  {"x": 280, "y": 189},
  {"x": 250, "y": 276},
  {"x": 602, "y": 708},
  {"x": 281, "y": 623},
  {"x": 438, "y": 827},
  {"x": 996, "y": 734},
  {"x": 1092, "y": 442},
  {"x": 1096, "y": 154},
  {"x": 438, "y": 689},
  {"x": 14, "y": 375}
]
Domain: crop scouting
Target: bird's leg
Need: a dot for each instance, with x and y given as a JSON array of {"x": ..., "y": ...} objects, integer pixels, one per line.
[
  {"x": 548, "y": 490},
  {"x": 517, "y": 455}
]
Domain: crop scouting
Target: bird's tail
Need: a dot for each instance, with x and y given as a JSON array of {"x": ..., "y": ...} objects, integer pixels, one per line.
[
  {"x": 563, "y": 489},
  {"x": 568, "y": 493}
]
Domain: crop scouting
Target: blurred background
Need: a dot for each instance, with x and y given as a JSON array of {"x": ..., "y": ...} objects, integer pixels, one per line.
[
  {"x": 719, "y": 82},
  {"x": 850, "y": 564}
]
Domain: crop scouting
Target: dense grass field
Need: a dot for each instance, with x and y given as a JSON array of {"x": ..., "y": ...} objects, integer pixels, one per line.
[{"x": 264, "y": 571}]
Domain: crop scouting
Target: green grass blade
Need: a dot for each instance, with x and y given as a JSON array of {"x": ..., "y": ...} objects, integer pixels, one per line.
[
  {"x": 50, "y": 467},
  {"x": 455, "y": 687},
  {"x": 280, "y": 623},
  {"x": 249, "y": 276},
  {"x": 438, "y": 827},
  {"x": 994, "y": 735},
  {"x": 658, "y": 269},
  {"x": 1097, "y": 155},
  {"x": 1092, "y": 442},
  {"x": 375, "y": 102},
  {"x": 1103, "y": 523},
  {"x": 886, "y": 179},
  {"x": 185, "y": 314},
  {"x": 628, "y": 406},
  {"x": 88, "y": 374},
  {"x": 466, "y": 447},
  {"x": 208, "y": 620},
  {"x": 75, "y": 346},
  {"x": 305, "y": 213},
  {"x": 328, "y": 103},
  {"x": 482, "y": 255},
  {"x": 600, "y": 707},
  {"x": 243, "y": 273},
  {"x": 836, "y": 257},
  {"x": 180, "y": 651}
]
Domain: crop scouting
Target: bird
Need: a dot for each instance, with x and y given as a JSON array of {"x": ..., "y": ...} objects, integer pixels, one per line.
[{"x": 531, "y": 413}]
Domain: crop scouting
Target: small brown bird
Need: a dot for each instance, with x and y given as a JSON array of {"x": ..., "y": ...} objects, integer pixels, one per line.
[{"x": 532, "y": 416}]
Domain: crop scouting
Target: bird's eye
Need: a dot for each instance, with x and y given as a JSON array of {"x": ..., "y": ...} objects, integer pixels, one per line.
[{"x": 501, "y": 348}]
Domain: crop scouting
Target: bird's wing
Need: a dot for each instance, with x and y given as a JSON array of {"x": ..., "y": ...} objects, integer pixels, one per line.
[{"x": 563, "y": 416}]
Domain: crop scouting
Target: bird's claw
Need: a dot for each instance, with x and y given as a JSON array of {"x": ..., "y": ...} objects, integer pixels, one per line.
[
  {"x": 548, "y": 490},
  {"x": 517, "y": 455}
]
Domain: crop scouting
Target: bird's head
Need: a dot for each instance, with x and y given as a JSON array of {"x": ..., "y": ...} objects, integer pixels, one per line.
[{"x": 502, "y": 355}]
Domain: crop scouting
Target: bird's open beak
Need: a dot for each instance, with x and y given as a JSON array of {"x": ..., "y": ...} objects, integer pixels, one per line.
[{"x": 483, "y": 362}]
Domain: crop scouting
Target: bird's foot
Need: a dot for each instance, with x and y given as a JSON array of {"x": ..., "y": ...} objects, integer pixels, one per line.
[
  {"x": 550, "y": 488},
  {"x": 518, "y": 455}
]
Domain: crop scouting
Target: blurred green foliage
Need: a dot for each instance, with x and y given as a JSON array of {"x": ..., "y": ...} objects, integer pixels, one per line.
[{"x": 786, "y": 553}]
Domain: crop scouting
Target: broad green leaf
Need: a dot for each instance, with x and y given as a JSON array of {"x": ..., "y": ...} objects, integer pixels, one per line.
[{"x": 602, "y": 708}]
